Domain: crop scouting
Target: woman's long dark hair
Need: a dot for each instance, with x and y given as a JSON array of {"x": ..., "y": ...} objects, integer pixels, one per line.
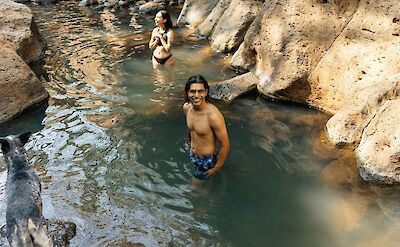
[
  {"x": 167, "y": 18},
  {"x": 196, "y": 79}
]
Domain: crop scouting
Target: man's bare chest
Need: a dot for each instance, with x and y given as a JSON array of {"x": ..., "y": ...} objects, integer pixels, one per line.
[{"x": 198, "y": 123}]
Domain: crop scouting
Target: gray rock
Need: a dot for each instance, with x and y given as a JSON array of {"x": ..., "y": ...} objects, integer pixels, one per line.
[
  {"x": 61, "y": 232},
  {"x": 87, "y": 2},
  {"x": 232, "y": 88}
]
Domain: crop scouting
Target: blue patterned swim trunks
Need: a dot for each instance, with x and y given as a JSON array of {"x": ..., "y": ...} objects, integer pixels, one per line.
[{"x": 202, "y": 164}]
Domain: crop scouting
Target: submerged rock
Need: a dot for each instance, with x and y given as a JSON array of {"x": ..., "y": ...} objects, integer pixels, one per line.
[{"x": 61, "y": 232}]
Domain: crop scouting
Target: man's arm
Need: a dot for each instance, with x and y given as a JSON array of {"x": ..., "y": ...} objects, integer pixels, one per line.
[
  {"x": 185, "y": 110},
  {"x": 218, "y": 125}
]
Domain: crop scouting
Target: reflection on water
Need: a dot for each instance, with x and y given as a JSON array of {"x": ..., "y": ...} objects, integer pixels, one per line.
[{"x": 110, "y": 151}]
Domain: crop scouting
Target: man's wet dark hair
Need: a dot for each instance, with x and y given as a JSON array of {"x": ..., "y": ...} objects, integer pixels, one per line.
[
  {"x": 167, "y": 18},
  {"x": 196, "y": 79}
]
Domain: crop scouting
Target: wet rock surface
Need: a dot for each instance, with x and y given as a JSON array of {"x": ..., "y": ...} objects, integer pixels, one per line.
[{"x": 60, "y": 231}]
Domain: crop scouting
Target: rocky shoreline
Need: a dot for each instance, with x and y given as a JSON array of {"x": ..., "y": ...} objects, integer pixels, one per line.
[{"x": 339, "y": 57}]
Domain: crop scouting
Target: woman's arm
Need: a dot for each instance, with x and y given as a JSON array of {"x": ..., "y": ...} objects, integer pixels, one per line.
[{"x": 153, "y": 39}]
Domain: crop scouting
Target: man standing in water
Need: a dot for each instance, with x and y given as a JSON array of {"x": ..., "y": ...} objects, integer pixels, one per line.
[{"x": 206, "y": 127}]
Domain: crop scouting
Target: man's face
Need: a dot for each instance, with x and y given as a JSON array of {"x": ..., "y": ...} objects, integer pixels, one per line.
[{"x": 197, "y": 94}]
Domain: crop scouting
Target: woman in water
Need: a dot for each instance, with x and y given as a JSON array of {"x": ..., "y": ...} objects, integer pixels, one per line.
[{"x": 161, "y": 40}]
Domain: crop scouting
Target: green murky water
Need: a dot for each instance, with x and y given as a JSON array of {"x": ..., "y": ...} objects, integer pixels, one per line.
[{"x": 110, "y": 150}]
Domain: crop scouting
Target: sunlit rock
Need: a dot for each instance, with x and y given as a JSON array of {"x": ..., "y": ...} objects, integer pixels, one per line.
[
  {"x": 194, "y": 12},
  {"x": 111, "y": 3},
  {"x": 20, "y": 88},
  {"x": 347, "y": 125},
  {"x": 365, "y": 53},
  {"x": 231, "y": 28},
  {"x": 87, "y": 2},
  {"x": 151, "y": 7},
  {"x": 379, "y": 150},
  {"x": 206, "y": 27},
  {"x": 291, "y": 39},
  {"x": 21, "y": 44},
  {"x": 17, "y": 26},
  {"x": 241, "y": 62}
]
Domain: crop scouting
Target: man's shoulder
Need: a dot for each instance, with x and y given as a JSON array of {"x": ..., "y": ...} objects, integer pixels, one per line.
[
  {"x": 212, "y": 108},
  {"x": 213, "y": 112}
]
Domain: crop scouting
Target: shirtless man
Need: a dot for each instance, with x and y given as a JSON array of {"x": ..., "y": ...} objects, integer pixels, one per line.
[{"x": 206, "y": 126}]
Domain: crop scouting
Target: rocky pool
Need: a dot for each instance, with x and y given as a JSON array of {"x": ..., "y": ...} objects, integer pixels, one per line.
[{"x": 110, "y": 150}]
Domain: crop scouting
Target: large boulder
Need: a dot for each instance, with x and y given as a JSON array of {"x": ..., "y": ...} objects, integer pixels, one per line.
[
  {"x": 17, "y": 26},
  {"x": 195, "y": 12},
  {"x": 379, "y": 150},
  {"x": 20, "y": 88},
  {"x": 151, "y": 7},
  {"x": 231, "y": 28},
  {"x": 290, "y": 41},
  {"x": 206, "y": 27},
  {"x": 348, "y": 124},
  {"x": 233, "y": 88},
  {"x": 366, "y": 53}
]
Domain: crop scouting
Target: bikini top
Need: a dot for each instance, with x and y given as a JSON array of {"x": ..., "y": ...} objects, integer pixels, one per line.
[{"x": 164, "y": 35}]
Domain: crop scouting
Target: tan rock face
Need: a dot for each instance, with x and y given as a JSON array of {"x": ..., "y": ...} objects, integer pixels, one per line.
[
  {"x": 379, "y": 150},
  {"x": 195, "y": 11},
  {"x": 366, "y": 51},
  {"x": 20, "y": 88},
  {"x": 20, "y": 44},
  {"x": 292, "y": 38},
  {"x": 207, "y": 26},
  {"x": 231, "y": 28},
  {"x": 348, "y": 124},
  {"x": 17, "y": 26}
]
